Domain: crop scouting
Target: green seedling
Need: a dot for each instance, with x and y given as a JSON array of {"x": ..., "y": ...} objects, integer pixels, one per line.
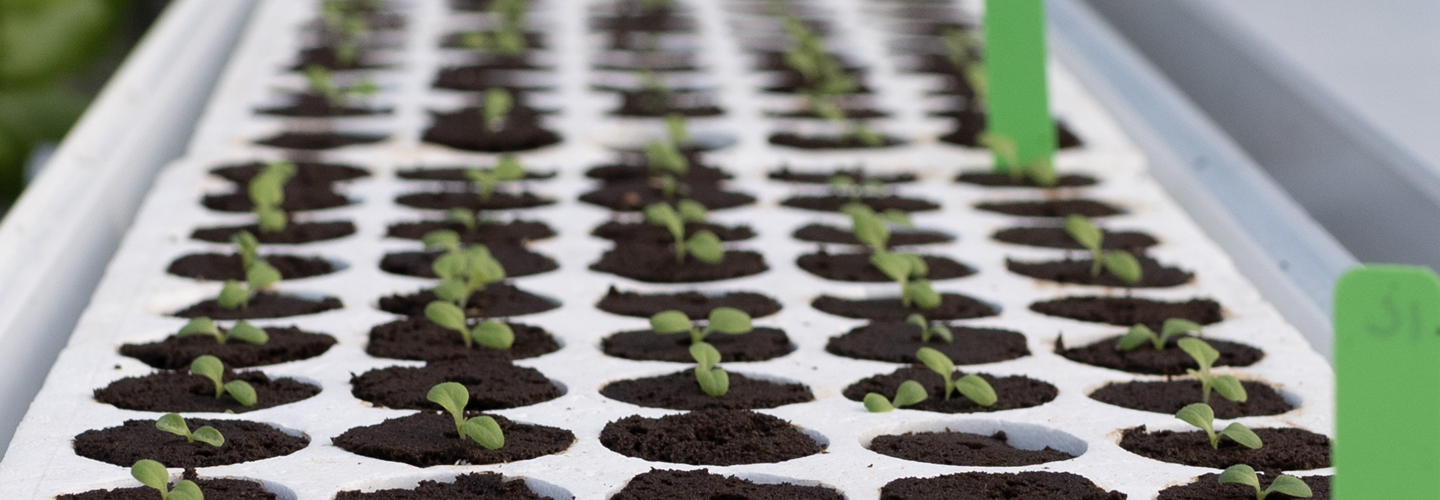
[
  {"x": 1202, "y": 416},
  {"x": 348, "y": 25},
  {"x": 468, "y": 219},
  {"x": 704, "y": 244},
  {"x": 443, "y": 239},
  {"x": 464, "y": 271},
  {"x": 664, "y": 158},
  {"x": 491, "y": 334},
  {"x": 1039, "y": 170},
  {"x": 241, "y": 332},
  {"x": 153, "y": 474},
  {"x": 498, "y": 103},
  {"x": 258, "y": 277},
  {"x": 1139, "y": 334},
  {"x": 909, "y": 271},
  {"x": 726, "y": 320},
  {"x": 453, "y": 398},
  {"x": 322, "y": 83},
  {"x": 267, "y": 193},
  {"x": 1226, "y": 385},
  {"x": 930, "y": 329},
  {"x": 653, "y": 95},
  {"x": 870, "y": 228},
  {"x": 712, "y": 379},
  {"x": 175, "y": 424},
  {"x": 676, "y": 130},
  {"x": 247, "y": 247},
  {"x": 1283, "y": 484},
  {"x": 960, "y": 47},
  {"x": 972, "y": 387},
  {"x": 210, "y": 367},
  {"x": 1119, "y": 262},
  {"x": 485, "y": 179},
  {"x": 909, "y": 393}
]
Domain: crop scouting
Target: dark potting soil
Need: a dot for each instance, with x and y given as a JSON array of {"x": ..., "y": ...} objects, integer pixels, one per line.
[
  {"x": 1056, "y": 237},
  {"x": 293, "y": 234},
  {"x": 139, "y": 439},
  {"x": 996, "y": 179},
  {"x": 962, "y": 448},
  {"x": 325, "y": 57},
  {"x": 458, "y": 174},
  {"x": 709, "y": 437},
  {"x": 306, "y": 173},
  {"x": 1013, "y": 391},
  {"x": 856, "y": 175},
  {"x": 297, "y": 198},
  {"x": 857, "y": 267},
  {"x": 1129, "y": 311},
  {"x": 693, "y": 304},
  {"x": 646, "y": 61},
  {"x": 479, "y": 78},
  {"x": 821, "y": 233},
  {"x": 316, "y": 141},
  {"x": 220, "y": 267},
  {"x": 1052, "y": 208},
  {"x": 465, "y": 129},
  {"x": 702, "y": 485},
  {"x": 791, "y": 139},
  {"x": 179, "y": 392},
  {"x": 1145, "y": 359},
  {"x": 1077, "y": 271},
  {"x": 638, "y": 170},
  {"x": 472, "y": 486},
  {"x": 775, "y": 60},
  {"x": 494, "y": 384},
  {"x": 652, "y": 104},
  {"x": 214, "y": 489},
  {"x": 515, "y": 231},
  {"x": 635, "y": 196},
  {"x": 262, "y": 305},
  {"x": 1284, "y": 449},
  {"x": 517, "y": 261},
  {"x": 420, "y": 339},
  {"x": 657, "y": 264},
  {"x": 286, "y": 343},
  {"x": 833, "y": 203},
  {"x": 853, "y": 113},
  {"x": 307, "y": 105},
  {"x": 1036, "y": 485},
  {"x": 1208, "y": 487},
  {"x": 680, "y": 391},
  {"x": 757, "y": 345},
  {"x": 648, "y": 22},
  {"x": 427, "y": 439},
  {"x": 952, "y": 306},
  {"x": 508, "y": 63},
  {"x": 897, "y": 341},
  {"x": 644, "y": 232},
  {"x": 495, "y": 301},
  {"x": 445, "y": 200},
  {"x": 1169, "y": 397},
  {"x": 533, "y": 41}
]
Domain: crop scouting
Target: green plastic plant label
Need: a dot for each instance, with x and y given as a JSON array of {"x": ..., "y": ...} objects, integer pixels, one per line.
[{"x": 1018, "y": 100}]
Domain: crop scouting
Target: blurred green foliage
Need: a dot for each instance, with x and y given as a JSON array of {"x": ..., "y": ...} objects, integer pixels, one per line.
[{"x": 43, "y": 44}]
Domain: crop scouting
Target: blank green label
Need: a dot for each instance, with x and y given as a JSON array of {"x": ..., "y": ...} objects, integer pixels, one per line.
[
  {"x": 1018, "y": 104},
  {"x": 1387, "y": 367}
]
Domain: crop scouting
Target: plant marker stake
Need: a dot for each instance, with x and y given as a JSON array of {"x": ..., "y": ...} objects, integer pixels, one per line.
[
  {"x": 1387, "y": 341},
  {"x": 1018, "y": 104}
]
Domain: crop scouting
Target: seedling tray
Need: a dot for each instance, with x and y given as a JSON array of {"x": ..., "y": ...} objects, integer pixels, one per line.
[{"x": 136, "y": 299}]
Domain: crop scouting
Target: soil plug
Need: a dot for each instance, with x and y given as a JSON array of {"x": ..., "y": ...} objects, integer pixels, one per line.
[
  {"x": 210, "y": 367},
  {"x": 971, "y": 386},
  {"x": 153, "y": 474},
  {"x": 484, "y": 430},
  {"x": 1283, "y": 484},
  {"x": 175, "y": 424}
]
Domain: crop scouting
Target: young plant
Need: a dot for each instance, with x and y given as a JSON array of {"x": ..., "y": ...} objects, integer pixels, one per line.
[
  {"x": 712, "y": 379},
  {"x": 259, "y": 276},
  {"x": 484, "y": 430},
  {"x": 241, "y": 332},
  {"x": 348, "y": 25},
  {"x": 247, "y": 247},
  {"x": 664, "y": 158},
  {"x": 1039, "y": 170},
  {"x": 210, "y": 367},
  {"x": 153, "y": 474},
  {"x": 653, "y": 95},
  {"x": 676, "y": 130},
  {"x": 1286, "y": 485},
  {"x": 322, "y": 83},
  {"x": 1119, "y": 262},
  {"x": 704, "y": 244},
  {"x": 909, "y": 271},
  {"x": 909, "y": 393},
  {"x": 175, "y": 424},
  {"x": 498, "y": 103},
  {"x": 491, "y": 334},
  {"x": 1226, "y": 385},
  {"x": 972, "y": 387},
  {"x": 470, "y": 220},
  {"x": 726, "y": 320},
  {"x": 267, "y": 193},
  {"x": 930, "y": 329},
  {"x": 873, "y": 229},
  {"x": 1202, "y": 416},
  {"x": 464, "y": 271},
  {"x": 485, "y": 179},
  {"x": 1172, "y": 328}
]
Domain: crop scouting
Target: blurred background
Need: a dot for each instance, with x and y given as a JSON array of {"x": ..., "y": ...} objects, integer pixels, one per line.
[{"x": 55, "y": 55}]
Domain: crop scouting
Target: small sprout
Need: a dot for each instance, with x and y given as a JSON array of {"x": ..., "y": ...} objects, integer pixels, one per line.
[
  {"x": 908, "y": 270},
  {"x": 958, "y": 47},
  {"x": 259, "y": 276},
  {"x": 1172, "y": 328},
  {"x": 930, "y": 329},
  {"x": 1284, "y": 484},
  {"x": 1120, "y": 263},
  {"x": 492, "y": 334},
  {"x": 971, "y": 386},
  {"x": 508, "y": 169},
  {"x": 1202, "y": 416},
  {"x": 463, "y": 272},
  {"x": 909, "y": 393},
  {"x": 322, "y": 83},
  {"x": 498, "y": 103},
  {"x": 704, "y": 244},
  {"x": 153, "y": 474},
  {"x": 1039, "y": 170},
  {"x": 726, "y": 320},
  {"x": 463, "y": 217},
  {"x": 870, "y": 228},
  {"x": 866, "y": 135},
  {"x": 443, "y": 239},
  {"x": 242, "y": 331},
  {"x": 453, "y": 398},
  {"x": 1227, "y": 385},
  {"x": 664, "y": 158},
  {"x": 712, "y": 379},
  {"x": 676, "y": 130},
  {"x": 267, "y": 193},
  {"x": 210, "y": 367},
  {"x": 247, "y": 246},
  {"x": 175, "y": 424}
]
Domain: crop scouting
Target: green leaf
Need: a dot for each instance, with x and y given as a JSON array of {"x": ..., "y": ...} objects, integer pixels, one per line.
[
  {"x": 464, "y": 218},
  {"x": 875, "y": 403},
  {"x": 448, "y": 316},
  {"x": 248, "y": 333},
  {"x": 1203, "y": 354},
  {"x": 452, "y": 397},
  {"x": 675, "y": 129},
  {"x": 1290, "y": 485},
  {"x": 210, "y": 436},
  {"x": 854, "y": 209},
  {"x": 261, "y": 275},
  {"x": 943, "y": 332},
  {"x": 896, "y": 267},
  {"x": 186, "y": 490},
  {"x": 443, "y": 239},
  {"x": 1000, "y": 144},
  {"x": 977, "y": 389},
  {"x": 1229, "y": 388},
  {"x": 918, "y": 268},
  {"x": 242, "y": 392},
  {"x": 704, "y": 245},
  {"x": 266, "y": 191},
  {"x": 484, "y": 430},
  {"x": 200, "y": 326},
  {"x": 917, "y": 320},
  {"x": 1124, "y": 266},
  {"x": 921, "y": 294},
  {"x": 210, "y": 367},
  {"x": 1084, "y": 232},
  {"x": 151, "y": 473},
  {"x": 509, "y": 169},
  {"x": 730, "y": 320},
  {"x": 1138, "y": 334},
  {"x": 869, "y": 229},
  {"x": 453, "y": 290},
  {"x": 898, "y": 217},
  {"x": 233, "y": 295},
  {"x": 494, "y": 334},
  {"x": 671, "y": 321},
  {"x": 1042, "y": 171},
  {"x": 449, "y": 265},
  {"x": 705, "y": 354},
  {"x": 1242, "y": 474},
  {"x": 482, "y": 266},
  {"x": 498, "y": 103},
  {"x": 174, "y": 424},
  {"x": 270, "y": 220},
  {"x": 247, "y": 246},
  {"x": 936, "y": 361},
  {"x": 909, "y": 393},
  {"x": 1243, "y": 435},
  {"x": 1199, "y": 415},
  {"x": 715, "y": 382},
  {"x": 692, "y": 211},
  {"x": 1178, "y": 326}
]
